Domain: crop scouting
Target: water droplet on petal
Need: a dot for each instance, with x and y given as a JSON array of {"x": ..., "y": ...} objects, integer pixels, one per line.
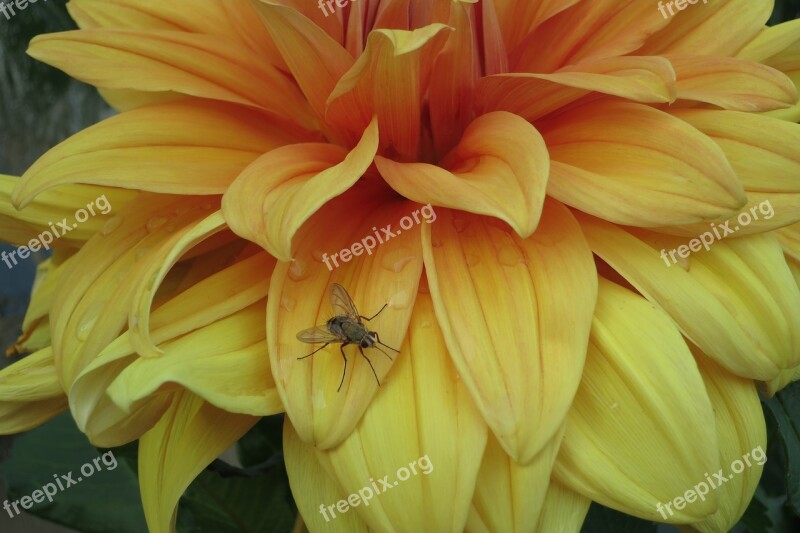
[
  {"x": 155, "y": 223},
  {"x": 614, "y": 406},
  {"x": 460, "y": 224},
  {"x": 425, "y": 324},
  {"x": 510, "y": 256},
  {"x": 399, "y": 300},
  {"x": 436, "y": 242},
  {"x": 472, "y": 259},
  {"x": 287, "y": 303},
  {"x": 298, "y": 270},
  {"x": 396, "y": 260},
  {"x": 112, "y": 224},
  {"x": 134, "y": 322},
  {"x": 86, "y": 325},
  {"x": 141, "y": 252}
]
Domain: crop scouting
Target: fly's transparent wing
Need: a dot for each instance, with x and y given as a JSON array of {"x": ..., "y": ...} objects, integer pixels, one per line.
[
  {"x": 342, "y": 303},
  {"x": 316, "y": 335}
]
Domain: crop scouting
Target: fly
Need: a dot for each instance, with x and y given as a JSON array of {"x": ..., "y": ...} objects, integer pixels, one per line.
[{"x": 346, "y": 327}]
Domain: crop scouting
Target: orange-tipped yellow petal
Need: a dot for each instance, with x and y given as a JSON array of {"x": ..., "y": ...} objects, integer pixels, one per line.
[
  {"x": 273, "y": 197},
  {"x": 637, "y": 365},
  {"x": 765, "y": 154},
  {"x": 29, "y": 393},
  {"x": 737, "y": 302},
  {"x": 742, "y": 437},
  {"x": 509, "y": 496},
  {"x": 206, "y": 66},
  {"x": 388, "y": 81},
  {"x": 190, "y": 435},
  {"x": 499, "y": 168},
  {"x": 423, "y": 416},
  {"x": 299, "y": 299},
  {"x": 187, "y": 147},
  {"x": 603, "y": 165},
  {"x": 515, "y": 314},
  {"x": 732, "y": 83},
  {"x": 640, "y": 79}
]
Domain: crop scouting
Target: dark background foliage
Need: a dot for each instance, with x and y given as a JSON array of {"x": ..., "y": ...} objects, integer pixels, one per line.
[{"x": 39, "y": 107}]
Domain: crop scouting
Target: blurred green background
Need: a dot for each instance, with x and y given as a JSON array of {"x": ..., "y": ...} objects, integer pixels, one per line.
[{"x": 39, "y": 107}]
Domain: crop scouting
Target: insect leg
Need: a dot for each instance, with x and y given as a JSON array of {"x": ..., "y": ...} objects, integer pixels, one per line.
[
  {"x": 315, "y": 351},
  {"x": 377, "y": 337},
  {"x": 373, "y": 316},
  {"x": 344, "y": 371},
  {"x": 370, "y": 364}
]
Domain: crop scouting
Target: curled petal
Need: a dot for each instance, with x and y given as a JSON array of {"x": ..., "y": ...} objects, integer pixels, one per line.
[
  {"x": 275, "y": 195},
  {"x": 499, "y": 168},
  {"x": 30, "y": 393}
]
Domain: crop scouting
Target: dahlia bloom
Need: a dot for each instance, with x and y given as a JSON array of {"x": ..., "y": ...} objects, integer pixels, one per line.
[{"x": 549, "y": 355}]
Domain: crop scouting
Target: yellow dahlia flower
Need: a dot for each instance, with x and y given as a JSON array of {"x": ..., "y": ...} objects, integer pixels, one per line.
[{"x": 552, "y": 351}]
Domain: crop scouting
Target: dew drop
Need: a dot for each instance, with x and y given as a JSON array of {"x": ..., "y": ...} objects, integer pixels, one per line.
[
  {"x": 510, "y": 256},
  {"x": 425, "y": 324},
  {"x": 460, "y": 224},
  {"x": 287, "y": 303},
  {"x": 436, "y": 242},
  {"x": 155, "y": 223},
  {"x": 112, "y": 224},
  {"x": 134, "y": 322},
  {"x": 472, "y": 259},
  {"x": 614, "y": 406},
  {"x": 181, "y": 210},
  {"x": 396, "y": 260},
  {"x": 399, "y": 300},
  {"x": 85, "y": 326},
  {"x": 141, "y": 252},
  {"x": 298, "y": 270}
]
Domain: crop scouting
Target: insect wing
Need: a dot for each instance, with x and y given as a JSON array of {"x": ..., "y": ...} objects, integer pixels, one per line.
[
  {"x": 342, "y": 303},
  {"x": 317, "y": 334}
]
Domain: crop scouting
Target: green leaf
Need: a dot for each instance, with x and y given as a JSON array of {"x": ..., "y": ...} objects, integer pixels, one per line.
[
  {"x": 783, "y": 412},
  {"x": 756, "y": 517},
  {"x": 105, "y": 500},
  {"x": 242, "y": 503},
  {"x": 262, "y": 445}
]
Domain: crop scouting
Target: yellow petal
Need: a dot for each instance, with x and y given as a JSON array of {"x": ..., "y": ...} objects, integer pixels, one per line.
[
  {"x": 771, "y": 41},
  {"x": 732, "y": 83},
  {"x": 190, "y": 435},
  {"x": 389, "y": 81},
  {"x": 765, "y": 154},
  {"x": 29, "y": 393},
  {"x": 742, "y": 437},
  {"x": 44, "y": 214},
  {"x": 515, "y": 315},
  {"x": 299, "y": 299},
  {"x": 315, "y": 59},
  {"x": 509, "y": 496},
  {"x": 641, "y": 398},
  {"x": 719, "y": 28},
  {"x": 422, "y": 421},
  {"x": 220, "y": 294},
  {"x": 603, "y": 165},
  {"x": 187, "y": 147},
  {"x": 499, "y": 168},
  {"x": 737, "y": 302},
  {"x": 316, "y": 492},
  {"x": 531, "y": 96},
  {"x": 563, "y": 509},
  {"x": 207, "y": 66},
  {"x": 224, "y": 363},
  {"x": 273, "y": 197}
]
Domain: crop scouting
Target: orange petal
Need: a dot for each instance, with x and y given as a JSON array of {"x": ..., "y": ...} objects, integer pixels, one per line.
[
  {"x": 299, "y": 299},
  {"x": 641, "y": 79},
  {"x": 515, "y": 314},
  {"x": 732, "y": 83},
  {"x": 499, "y": 169},
  {"x": 207, "y": 66},
  {"x": 389, "y": 81},
  {"x": 519, "y": 19},
  {"x": 275, "y": 195},
  {"x": 187, "y": 147},
  {"x": 603, "y": 165}
]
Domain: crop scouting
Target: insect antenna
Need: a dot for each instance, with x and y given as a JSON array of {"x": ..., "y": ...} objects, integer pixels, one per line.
[{"x": 384, "y": 353}]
